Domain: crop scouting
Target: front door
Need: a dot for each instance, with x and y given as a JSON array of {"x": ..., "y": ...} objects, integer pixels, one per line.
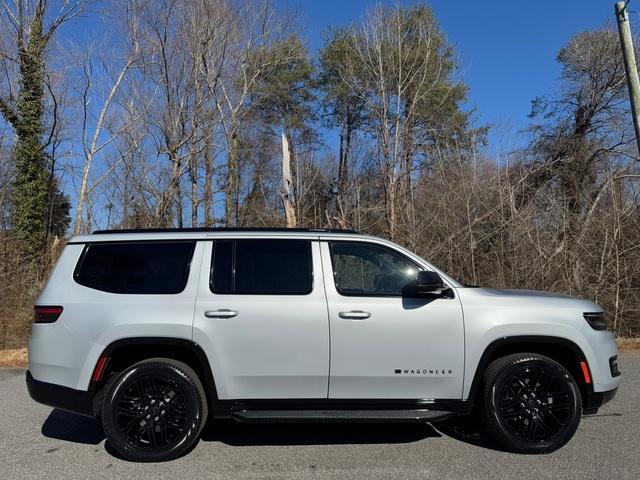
[
  {"x": 261, "y": 317},
  {"x": 384, "y": 346}
]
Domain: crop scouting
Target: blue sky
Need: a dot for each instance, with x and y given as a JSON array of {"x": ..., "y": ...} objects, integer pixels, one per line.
[{"x": 507, "y": 48}]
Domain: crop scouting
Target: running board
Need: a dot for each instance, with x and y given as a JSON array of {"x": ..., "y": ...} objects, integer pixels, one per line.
[{"x": 362, "y": 416}]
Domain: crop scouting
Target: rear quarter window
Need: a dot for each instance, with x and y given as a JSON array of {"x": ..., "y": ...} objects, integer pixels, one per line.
[{"x": 135, "y": 267}]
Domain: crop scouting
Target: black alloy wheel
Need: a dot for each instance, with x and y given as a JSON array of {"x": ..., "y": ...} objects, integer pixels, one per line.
[
  {"x": 154, "y": 410},
  {"x": 532, "y": 404}
]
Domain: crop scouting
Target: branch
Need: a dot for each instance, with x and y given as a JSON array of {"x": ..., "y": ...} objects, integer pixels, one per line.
[
  {"x": 66, "y": 13},
  {"x": 55, "y": 113}
]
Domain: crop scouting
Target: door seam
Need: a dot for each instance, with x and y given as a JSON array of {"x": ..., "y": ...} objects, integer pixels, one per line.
[{"x": 326, "y": 303}]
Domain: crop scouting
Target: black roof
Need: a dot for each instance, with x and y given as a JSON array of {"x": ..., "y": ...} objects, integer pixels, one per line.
[{"x": 223, "y": 229}]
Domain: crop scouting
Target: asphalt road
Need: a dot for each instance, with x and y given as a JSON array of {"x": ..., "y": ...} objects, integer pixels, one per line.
[{"x": 38, "y": 442}]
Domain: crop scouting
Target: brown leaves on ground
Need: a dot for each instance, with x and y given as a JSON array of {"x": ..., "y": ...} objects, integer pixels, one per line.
[
  {"x": 628, "y": 344},
  {"x": 13, "y": 358}
]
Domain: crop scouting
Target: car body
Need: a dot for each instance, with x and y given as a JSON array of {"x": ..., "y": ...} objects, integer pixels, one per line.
[{"x": 277, "y": 321}]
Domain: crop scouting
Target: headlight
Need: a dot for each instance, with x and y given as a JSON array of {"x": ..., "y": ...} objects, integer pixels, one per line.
[{"x": 595, "y": 319}]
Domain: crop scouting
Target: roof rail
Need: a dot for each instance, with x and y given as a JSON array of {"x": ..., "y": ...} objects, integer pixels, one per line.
[{"x": 223, "y": 229}]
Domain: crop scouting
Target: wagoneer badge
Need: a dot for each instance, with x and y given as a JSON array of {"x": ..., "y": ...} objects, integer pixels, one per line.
[{"x": 423, "y": 371}]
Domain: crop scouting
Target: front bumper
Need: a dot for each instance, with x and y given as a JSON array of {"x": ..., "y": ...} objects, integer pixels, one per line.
[
  {"x": 57, "y": 396},
  {"x": 594, "y": 400}
]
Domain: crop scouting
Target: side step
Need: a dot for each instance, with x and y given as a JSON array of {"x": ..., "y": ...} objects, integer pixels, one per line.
[{"x": 321, "y": 416}]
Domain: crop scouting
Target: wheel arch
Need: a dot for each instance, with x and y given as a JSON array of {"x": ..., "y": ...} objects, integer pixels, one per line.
[
  {"x": 125, "y": 352},
  {"x": 562, "y": 350}
]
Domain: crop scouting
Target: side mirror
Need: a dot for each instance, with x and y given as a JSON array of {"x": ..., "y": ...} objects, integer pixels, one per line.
[{"x": 426, "y": 284}]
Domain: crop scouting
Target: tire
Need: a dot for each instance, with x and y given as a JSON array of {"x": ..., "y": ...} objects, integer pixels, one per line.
[
  {"x": 530, "y": 403},
  {"x": 154, "y": 410}
]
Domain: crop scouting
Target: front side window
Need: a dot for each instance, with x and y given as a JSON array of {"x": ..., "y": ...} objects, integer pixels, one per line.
[
  {"x": 135, "y": 267},
  {"x": 261, "y": 267},
  {"x": 366, "y": 269}
]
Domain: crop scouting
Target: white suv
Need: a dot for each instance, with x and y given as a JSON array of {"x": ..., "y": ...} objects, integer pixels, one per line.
[{"x": 156, "y": 330}]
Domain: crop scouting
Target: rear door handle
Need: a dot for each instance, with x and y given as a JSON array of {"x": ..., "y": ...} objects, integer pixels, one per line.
[
  {"x": 354, "y": 315},
  {"x": 221, "y": 313}
]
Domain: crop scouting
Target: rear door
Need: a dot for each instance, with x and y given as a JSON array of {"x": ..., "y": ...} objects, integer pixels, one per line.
[{"x": 261, "y": 316}]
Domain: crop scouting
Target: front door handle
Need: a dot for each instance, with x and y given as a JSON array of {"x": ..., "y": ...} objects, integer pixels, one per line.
[
  {"x": 221, "y": 313},
  {"x": 354, "y": 315}
]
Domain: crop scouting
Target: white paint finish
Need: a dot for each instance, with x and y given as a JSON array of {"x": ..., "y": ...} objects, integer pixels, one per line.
[
  {"x": 65, "y": 352},
  {"x": 492, "y": 314},
  {"x": 400, "y": 333},
  {"x": 277, "y": 346}
]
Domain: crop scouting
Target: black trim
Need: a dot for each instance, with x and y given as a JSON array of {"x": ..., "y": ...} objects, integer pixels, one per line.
[
  {"x": 205, "y": 366},
  {"x": 524, "y": 339},
  {"x": 614, "y": 367},
  {"x": 226, "y": 229},
  {"x": 595, "y": 320},
  {"x": 594, "y": 400},
  {"x": 57, "y": 396},
  {"x": 225, "y": 408},
  {"x": 339, "y": 416}
]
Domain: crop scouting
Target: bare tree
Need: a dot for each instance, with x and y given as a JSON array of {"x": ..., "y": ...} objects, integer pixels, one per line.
[
  {"x": 94, "y": 144},
  {"x": 400, "y": 64}
]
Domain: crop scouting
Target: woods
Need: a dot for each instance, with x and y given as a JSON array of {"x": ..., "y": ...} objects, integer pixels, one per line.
[{"x": 172, "y": 113}]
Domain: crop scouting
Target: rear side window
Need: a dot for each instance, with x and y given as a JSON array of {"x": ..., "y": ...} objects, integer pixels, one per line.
[
  {"x": 261, "y": 267},
  {"x": 135, "y": 267}
]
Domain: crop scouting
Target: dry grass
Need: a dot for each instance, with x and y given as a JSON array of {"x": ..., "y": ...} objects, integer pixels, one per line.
[
  {"x": 13, "y": 358},
  {"x": 628, "y": 344}
]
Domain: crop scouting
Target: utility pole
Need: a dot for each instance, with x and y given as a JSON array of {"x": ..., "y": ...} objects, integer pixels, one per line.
[{"x": 622, "y": 17}]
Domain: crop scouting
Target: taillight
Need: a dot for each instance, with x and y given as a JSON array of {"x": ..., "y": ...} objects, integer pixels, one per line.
[{"x": 46, "y": 314}]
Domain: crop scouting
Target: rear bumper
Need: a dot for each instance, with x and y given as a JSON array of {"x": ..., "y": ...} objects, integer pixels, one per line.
[
  {"x": 57, "y": 396},
  {"x": 594, "y": 400}
]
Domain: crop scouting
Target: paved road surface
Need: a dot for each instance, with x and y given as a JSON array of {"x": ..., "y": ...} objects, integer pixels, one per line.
[{"x": 38, "y": 442}]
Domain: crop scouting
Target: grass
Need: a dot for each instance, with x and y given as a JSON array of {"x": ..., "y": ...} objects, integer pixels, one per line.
[
  {"x": 17, "y": 357},
  {"x": 628, "y": 344}
]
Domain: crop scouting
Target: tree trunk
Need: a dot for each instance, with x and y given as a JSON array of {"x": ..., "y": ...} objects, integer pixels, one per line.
[
  {"x": 208, "y": 181},
  {"x": 285, "y": 192},
  {"x": 230, "y": 190}
]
